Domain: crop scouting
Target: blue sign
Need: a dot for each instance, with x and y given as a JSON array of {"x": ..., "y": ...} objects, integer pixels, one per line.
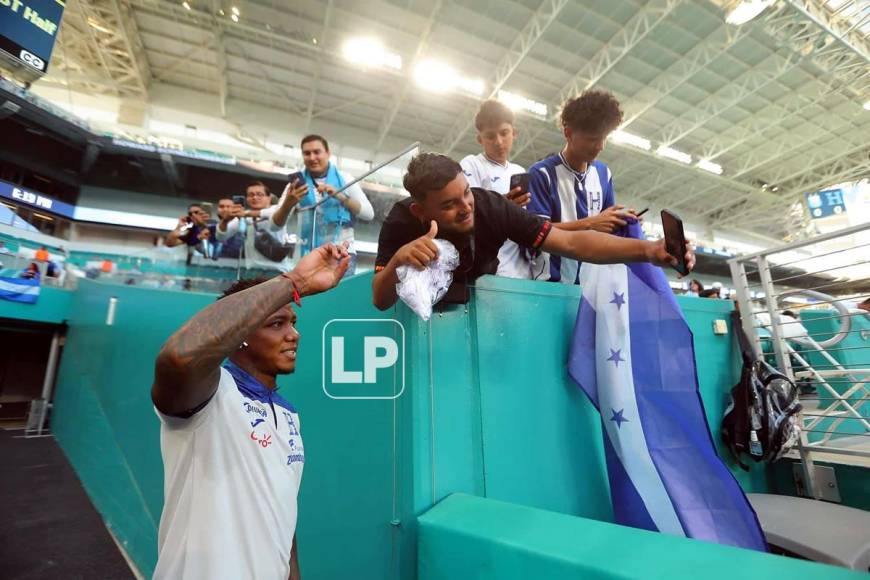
[
  {"x": 826, "y": 203},
  {"x": 28, "y": 29},
  {"x": 35, "y": 200}
]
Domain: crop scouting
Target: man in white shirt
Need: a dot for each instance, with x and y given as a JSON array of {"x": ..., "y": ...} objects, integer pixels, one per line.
[
  {"x": 260, "y": 216},
  {"x": 491, "y": 170},
  {"x": 232, "y": 451},
  {"x": 333, "y": 219}
]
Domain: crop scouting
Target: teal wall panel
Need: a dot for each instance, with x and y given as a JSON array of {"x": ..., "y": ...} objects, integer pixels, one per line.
[
  {"x": 487, "y": 409},
  {"x": 52, "y": 307}
]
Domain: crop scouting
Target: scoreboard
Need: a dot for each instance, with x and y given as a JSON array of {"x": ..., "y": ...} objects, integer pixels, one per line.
[{"x": 28, "y": 29}]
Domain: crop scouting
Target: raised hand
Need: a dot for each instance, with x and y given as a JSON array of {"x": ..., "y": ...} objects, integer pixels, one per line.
[
  {"x": 420, "y": 252},
  {"x": 321, "y": 269}
]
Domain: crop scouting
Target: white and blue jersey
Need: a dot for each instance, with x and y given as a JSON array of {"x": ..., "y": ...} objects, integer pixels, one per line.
[
  {"x": 231, "y": 477},
  {"x": 561, "y": 194}
]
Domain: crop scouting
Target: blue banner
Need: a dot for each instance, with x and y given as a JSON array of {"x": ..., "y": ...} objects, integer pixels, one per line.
[
  {"x": 35, "y": 200},
  {"x": 28, "y": 29},
  {"x": 25, "y": 290}
]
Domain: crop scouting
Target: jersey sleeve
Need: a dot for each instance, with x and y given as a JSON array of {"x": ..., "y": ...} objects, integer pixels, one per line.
[
  {"x": 539, "y": 187},
  {"x": 518, "y": 225}
]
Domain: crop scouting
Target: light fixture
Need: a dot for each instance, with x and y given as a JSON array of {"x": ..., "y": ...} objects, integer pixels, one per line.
[
  {"x": 314, "y": 40},
  {"x": 369, "y": 52},
  {"x": 620, "y": 136},
  {"x": 710, "y": 166},
  {"x": 746, "y": 10},
  {"x": 867, "y": 106},
  {"x": 439, "y": 77},
  {"x": 95, "y": 24},
  {"x": 186, "y": 4},
  {"x": 674, "y": 154},
  {"x": 235, "y": 11},
  {"x": 221, "y": 12},
  {"x": 775, "y": 188},
  {"x": 435, "y": 76},
  {"x": 520, "y": 103},
  {"x": 234, "y": 17}
]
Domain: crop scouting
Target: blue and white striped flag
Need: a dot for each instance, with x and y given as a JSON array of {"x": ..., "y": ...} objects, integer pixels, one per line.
[
  {"x": 19, "y": 289},
  {"x": 632, "y": 353}
]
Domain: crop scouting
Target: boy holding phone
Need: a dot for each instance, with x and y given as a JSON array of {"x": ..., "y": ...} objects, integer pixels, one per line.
[
  {"x": 491, "y": 170},
  {"x": 572, "y": 188}
]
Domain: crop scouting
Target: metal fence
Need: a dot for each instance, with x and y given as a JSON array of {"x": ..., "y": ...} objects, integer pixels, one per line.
[{"x": 799, "y": 308}]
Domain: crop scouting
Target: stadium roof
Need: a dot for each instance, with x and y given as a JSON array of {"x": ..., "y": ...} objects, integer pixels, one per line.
[{"x": 780, "y": 103}]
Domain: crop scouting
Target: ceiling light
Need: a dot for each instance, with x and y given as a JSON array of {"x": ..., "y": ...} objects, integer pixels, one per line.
[
  {"x": 674, "y": 154},
  {"x": 867, "y": 106},
  {"x": 234, "y": 17},
  {"x": 620, "y": 136},
  {"x": 369, "y": 52},
  {"x": 710, "y": 166},
  {"x": 521, "y": 103},
  {"x": 435, "y": 75},
  {"x": 746, "y": 11},
  {"x": 94, "y": 23},
  {"x": 186, "y": 4},
  {"x": 235, "y": 11},
  {"x": 221, "y": 12}
]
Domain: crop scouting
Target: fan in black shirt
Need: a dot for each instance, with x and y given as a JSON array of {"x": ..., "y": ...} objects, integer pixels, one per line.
[{"x": 478, "y": 222}]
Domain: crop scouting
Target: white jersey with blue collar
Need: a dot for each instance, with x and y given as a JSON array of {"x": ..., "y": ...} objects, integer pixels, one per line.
[
  {"x": 561, "y": 194},
  {"x": 231, "y": 477}
]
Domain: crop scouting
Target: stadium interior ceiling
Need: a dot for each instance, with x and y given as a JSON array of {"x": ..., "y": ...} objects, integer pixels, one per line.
[{"x": 728, "y": 125}]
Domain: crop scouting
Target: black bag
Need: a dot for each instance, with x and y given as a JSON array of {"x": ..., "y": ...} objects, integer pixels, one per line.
[
  {"x": 270, "y": 247},
  {"x": 762, "y": 416}
]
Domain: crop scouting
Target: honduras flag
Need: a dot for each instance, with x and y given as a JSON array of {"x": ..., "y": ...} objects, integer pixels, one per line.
[
  {"x": 19, "y": 289},
  {"x": 632, "y": 354}
]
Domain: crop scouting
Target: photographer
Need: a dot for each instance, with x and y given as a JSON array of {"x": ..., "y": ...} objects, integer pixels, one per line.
[
  {"x": 192, "y": 230},
  {"x": 232, "y": 246},
  {"x": 263, "y": 226}
]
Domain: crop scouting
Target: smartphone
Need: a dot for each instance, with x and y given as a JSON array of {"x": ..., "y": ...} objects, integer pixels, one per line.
[
  {"x": 520, "y": 180},
  {"x": 239, "y": 200},
  {"x": 297, "y": 177},
  {"x": 675, "y": 240}
]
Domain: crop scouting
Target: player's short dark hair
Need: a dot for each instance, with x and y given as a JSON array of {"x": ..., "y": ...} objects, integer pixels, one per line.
[
  {"x": 242, "y": 284},
  {"x": 491, "y": 114},
  {"x": 594, "y": 111},
  {"x": 191, "y": 206},
  {"x": 256, "y": 183},
  {"x": 312, "y": 137},
  {"x": 429, "y": 172}
]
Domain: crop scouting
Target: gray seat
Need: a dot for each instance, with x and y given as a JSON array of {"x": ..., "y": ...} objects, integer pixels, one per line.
[{"x": 816, "y": 530}]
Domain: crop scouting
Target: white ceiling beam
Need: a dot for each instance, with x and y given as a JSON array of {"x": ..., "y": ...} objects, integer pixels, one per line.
[
  {"x": 534, "y": 29},
  {"x": 682, "y": 70},
  {"x": 315, "y": 84},
  {"x": 614, "y": 50},
  {"x": 399, "y": 96}
]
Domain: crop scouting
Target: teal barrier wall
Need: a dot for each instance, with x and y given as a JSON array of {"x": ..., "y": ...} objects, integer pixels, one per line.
[
  {"x": 486, "y": 410},
  {"x": 53, "y": 306},
  {"x": 472, "y": 537}
]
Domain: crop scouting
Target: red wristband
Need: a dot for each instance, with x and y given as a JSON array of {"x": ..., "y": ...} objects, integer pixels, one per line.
[{"x": 297, "y": 297}]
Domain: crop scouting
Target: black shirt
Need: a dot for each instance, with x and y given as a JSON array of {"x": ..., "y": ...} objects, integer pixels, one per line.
[{"x": 496, "y": 219}]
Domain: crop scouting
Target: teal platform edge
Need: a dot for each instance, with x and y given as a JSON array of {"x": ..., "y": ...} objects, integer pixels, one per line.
[
  {"x": 487, "y": 410},
  {"x": 476, "y": 538}
]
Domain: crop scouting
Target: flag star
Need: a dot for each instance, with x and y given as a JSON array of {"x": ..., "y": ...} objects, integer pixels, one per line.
[
  {"x": 615, "y": 357},
  {"x": 618, "y": 417},
  {"x": 618, "y": 299}
]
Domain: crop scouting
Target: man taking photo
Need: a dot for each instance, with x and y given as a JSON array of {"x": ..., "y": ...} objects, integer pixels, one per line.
[{"x": 232, "y": 451}]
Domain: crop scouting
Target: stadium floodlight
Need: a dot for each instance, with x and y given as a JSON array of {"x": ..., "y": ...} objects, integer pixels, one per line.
[
  {"x": 435, "y": 76},
  {"x": 620, "y": 136},
  {"x": 710, "y": 166},
  {"x": 746, "y": 11},
  {"x": 186, "y": 5},
  {"x": 370, "y": 52},
  {"x": 520, "y": 103},
  {"x": 234, "y": 17},
  {"x": 236, "y": 11},
  {"x": 867, "y": 106},
  {"x": 674, "y": 154}
]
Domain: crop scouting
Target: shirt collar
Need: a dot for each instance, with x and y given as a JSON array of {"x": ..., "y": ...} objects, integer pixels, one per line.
[
  {"x": 246, "y": 380},
  {"x": 496, "y": 163},
  {"x": 581, "y": 175}
]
